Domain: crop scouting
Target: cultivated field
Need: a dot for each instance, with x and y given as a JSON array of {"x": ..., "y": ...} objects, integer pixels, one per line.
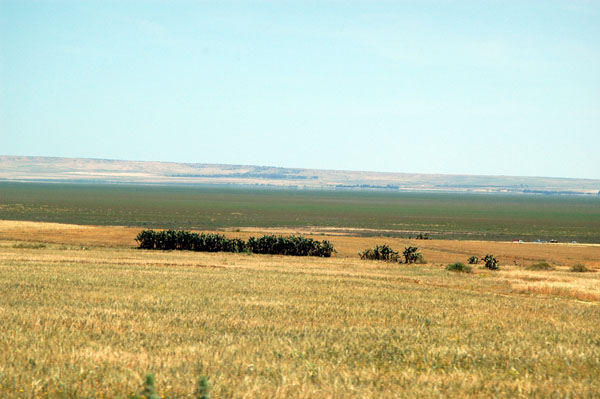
[
  {"x": 443, "y": 215},
  {"x": 84, "y": 314}
]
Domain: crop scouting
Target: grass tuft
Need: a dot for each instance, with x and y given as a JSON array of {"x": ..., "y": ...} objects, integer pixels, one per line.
[
  {"x": 540, "y": 266},
  {"x": 579, "y": 268},
  {"x": 28, "y": 245},
  {"x": 459, "y": 267}
]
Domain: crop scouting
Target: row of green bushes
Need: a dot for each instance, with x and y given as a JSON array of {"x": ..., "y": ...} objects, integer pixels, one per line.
[
  {"x": 386, "y": 253},
  {"x": 290, "y": 245},
  {"x": 411, "y": 255},
  {"x": 211, "y": 242},
  {"x": 490, "y": 263}
]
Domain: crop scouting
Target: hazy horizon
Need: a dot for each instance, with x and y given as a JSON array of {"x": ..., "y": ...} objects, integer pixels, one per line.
[{"x": 291, "y": 167}]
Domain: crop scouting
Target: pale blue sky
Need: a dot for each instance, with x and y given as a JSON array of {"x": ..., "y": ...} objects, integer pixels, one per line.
[{"x": 474, "y": 87}]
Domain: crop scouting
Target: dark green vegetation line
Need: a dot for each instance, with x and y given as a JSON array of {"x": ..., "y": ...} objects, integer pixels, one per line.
[
  {"x": 447, "y": 215},
  {"x": 182, "y": 240}
]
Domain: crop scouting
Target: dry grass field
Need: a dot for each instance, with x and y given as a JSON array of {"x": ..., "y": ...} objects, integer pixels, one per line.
[{"x": 85, "y": 315}]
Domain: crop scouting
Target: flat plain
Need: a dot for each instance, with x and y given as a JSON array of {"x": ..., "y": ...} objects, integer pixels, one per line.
[
  {"x": 398, "y": 214},
  {"x": 83, "y": 314}
]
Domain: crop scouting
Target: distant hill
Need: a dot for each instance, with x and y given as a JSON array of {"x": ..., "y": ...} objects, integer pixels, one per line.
[{"x": 81, "y": 170}]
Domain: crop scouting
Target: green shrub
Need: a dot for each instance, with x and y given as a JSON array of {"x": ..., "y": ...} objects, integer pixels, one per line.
[
  {"x": 292, "y": 245},
  {"x": 579, "y": 268},
  {"x": 185, "y": 240},
  {"x": 490, "y": 262},
  {"x": 459, "y": 267},
  {"x": 380, "y": 252},
  {"x": 473, "y": 260},
  {"x": 412, "y": 256},
  {"x": 540, "y": 266}
]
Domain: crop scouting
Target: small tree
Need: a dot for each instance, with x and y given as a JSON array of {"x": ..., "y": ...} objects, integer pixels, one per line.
[{"x": 491, "y": 262}]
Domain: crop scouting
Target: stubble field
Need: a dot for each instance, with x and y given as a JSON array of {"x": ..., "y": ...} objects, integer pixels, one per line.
[{"x": 84, "y": 314}]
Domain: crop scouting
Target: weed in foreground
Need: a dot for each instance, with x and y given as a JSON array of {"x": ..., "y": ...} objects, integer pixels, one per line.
[
  {"x": 203, "y": 388},
  {"x": 149, "y": 392}
]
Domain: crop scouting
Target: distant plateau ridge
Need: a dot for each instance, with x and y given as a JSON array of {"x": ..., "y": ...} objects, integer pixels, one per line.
[{"x": 83, "y": 170}]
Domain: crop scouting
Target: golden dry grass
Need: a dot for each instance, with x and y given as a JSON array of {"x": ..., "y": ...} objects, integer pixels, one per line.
[
  {"x": 436, "y": 251},
  {"x": 85, "y": 315}
]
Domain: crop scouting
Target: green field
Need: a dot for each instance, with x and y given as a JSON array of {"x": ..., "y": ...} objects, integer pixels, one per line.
[{"x": 444, "y": 215}]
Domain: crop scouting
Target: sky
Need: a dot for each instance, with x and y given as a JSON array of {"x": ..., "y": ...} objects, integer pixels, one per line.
[{"x": 430, "y": 86}]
